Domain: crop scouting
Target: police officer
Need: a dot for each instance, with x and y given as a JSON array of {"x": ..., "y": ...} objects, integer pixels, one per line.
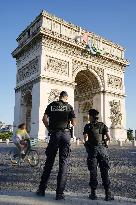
[
  {"x": 57, "y": 118},
  {"x": 96, "y": 136}
]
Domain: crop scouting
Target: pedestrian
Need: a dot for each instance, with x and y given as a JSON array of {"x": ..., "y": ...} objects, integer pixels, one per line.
[
  {"x": 95, "y": 136},
  {"x": 57, "y": 118}
]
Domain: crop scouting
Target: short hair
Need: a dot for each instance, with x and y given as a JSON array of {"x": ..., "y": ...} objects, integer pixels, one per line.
[
  {"x": 21, "y": 125},
  {"x": 93, "y": 112},
  {"x": 63, "y": 94}
]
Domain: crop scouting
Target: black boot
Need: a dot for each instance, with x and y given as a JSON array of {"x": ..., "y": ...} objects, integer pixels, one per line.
[
  {"x": 108, "y": 195},
  {"x": 40, "y": 192},
  {"x": 93, "y": 194},
  {"x": 60, "y": 196}
]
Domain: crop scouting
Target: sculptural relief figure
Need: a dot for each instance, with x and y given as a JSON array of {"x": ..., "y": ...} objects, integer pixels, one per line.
[
  {"x": 115, "y": 113},
  {"x": 114, "y": 82},
  {"x": 54, "y": 95},
  {"x": 58, "y": 66}
]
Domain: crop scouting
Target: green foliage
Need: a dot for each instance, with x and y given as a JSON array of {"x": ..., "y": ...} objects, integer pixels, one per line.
[
  {"x": 130, "y": 134},
  {"x": 5, "y": 135}
]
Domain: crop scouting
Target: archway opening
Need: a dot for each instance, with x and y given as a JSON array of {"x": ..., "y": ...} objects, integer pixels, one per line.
[
  {"x": 26, "y": 110},
  {"x": 86, "y": 96}
]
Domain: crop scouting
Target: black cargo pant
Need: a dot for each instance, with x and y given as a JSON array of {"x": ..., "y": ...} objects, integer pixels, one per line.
[
  {"x": 97, "y": 155},
  {"x": 58, "y": 140}
]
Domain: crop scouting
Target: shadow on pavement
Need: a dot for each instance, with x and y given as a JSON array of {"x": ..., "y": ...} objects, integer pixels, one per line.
[{"x": 29, "y": 198}]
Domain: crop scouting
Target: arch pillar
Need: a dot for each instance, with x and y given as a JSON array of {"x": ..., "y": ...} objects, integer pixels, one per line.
[{"x": 17, "y": 110}]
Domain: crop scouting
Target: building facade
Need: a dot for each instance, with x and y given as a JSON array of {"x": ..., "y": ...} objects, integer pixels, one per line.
[{"x": 53, "y": 55}]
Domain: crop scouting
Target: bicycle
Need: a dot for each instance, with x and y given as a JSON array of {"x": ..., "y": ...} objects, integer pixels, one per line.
[{"x": 31, "y": 154}]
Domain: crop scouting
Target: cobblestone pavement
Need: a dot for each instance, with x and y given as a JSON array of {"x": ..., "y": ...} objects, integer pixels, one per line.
[{"x": 26, "y": 178}]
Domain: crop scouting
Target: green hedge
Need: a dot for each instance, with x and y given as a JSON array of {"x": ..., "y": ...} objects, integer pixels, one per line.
[{"x": 5, "y": 135}]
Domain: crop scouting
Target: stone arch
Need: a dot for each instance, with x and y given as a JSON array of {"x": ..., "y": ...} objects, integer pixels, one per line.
[
  {"x": 96, "y": 72},
  {"x": 87, "y": 95},
  {"x": 86, "y": 83}
]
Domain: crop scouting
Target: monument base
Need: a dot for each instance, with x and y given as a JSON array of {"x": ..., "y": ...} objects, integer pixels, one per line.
[{"x": 118, "y": 134}]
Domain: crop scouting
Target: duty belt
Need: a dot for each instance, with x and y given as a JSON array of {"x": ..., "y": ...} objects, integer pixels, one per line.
[{"x": 62, "y": 129}]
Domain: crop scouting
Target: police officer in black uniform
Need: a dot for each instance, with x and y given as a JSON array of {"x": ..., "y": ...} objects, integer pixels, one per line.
[
  {"x": 57, "y": 118},
  {"x": 96, "y": 136}
]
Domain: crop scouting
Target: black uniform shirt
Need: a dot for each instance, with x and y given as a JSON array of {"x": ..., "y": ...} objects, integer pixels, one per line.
[
  {"x": 60, "y": 114},
  {"x": 95, "y": 132}
]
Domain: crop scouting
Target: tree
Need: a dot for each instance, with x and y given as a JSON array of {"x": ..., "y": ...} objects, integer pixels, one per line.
[
  {"x": 1, "y": 124},
  {"x": 130, "y": 134}
]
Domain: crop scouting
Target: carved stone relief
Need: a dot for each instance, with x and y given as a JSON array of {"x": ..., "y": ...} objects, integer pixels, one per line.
[
  {"x": 28, "y": 70},
  {"x": 76, "y": 65},
  {"x": 57, "y": 66},
  {"x": 100, "y": 73},
  {"x": 54, "y": 95},
  {"x": 61, "y": 47},
  {"x": 115, "y": 113},
  {"x": 33, "y": 52},
  {"x": 114, "y": 82},
  {"x": 78, "y": 52}
]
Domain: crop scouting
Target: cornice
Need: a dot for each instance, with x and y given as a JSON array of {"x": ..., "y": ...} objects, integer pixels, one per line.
[
  {"x": 115, "y": 94},
  {"x": 66, "y": 41},
  {"x": 69, "y": 42},
  {"x": 77, "y": 28},
  {"x": 26, "y": 45},
  {"x": 28, "y": 83},
  {"x": 57, "y": 81}
]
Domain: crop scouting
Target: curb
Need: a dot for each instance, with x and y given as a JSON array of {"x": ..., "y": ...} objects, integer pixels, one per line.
[{"x": 73, "y": 198}]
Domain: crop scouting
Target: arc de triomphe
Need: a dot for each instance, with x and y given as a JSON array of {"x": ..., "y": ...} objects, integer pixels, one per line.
[{"x": 54, "y": 55}]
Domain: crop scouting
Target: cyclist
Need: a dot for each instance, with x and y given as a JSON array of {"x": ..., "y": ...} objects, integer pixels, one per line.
[{"x": 21, "y": 138}]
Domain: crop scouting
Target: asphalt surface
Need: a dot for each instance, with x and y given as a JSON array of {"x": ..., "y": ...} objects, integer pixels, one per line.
[{"x": 26, "y": 178}]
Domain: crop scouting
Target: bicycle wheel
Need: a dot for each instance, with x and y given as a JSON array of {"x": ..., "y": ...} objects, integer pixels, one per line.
[
  {"x": 14, "y": 156},
  {"x": 33, "y": 158}
]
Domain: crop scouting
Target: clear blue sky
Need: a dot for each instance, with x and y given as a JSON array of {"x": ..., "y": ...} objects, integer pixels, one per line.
[{"x": 113, "y": 19}]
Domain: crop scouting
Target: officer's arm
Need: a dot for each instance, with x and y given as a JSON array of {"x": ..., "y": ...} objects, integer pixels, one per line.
[
  {"x": 106, "y": 133},
  {"x": 45, "y": 121},
  {"x": 85, "y": 133},
  {"x": 72, "y": 116},
  {"x": 85, "y": 137},
  {"x": 107, "y": 137},
  {"x": 73, "y": 121}
]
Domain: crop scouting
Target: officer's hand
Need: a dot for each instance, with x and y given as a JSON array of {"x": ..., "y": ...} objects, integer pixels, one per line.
[{"x": 83, "y": 142}]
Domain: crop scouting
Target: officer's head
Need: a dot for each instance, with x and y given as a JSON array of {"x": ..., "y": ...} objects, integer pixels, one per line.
[
  {"x": 93, "y": 115},
  {"x": 63, "y": 96}
]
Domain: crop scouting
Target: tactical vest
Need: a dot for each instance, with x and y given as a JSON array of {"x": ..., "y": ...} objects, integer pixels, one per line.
[
  {"x": 95, "y": 133},
  {"x": 59, "y": 115}
]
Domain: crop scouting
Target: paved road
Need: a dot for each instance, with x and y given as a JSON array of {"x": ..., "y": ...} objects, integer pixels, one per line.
[
  {"x": 29, "y": 198},
  {"x": 26, "y": 178}
]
